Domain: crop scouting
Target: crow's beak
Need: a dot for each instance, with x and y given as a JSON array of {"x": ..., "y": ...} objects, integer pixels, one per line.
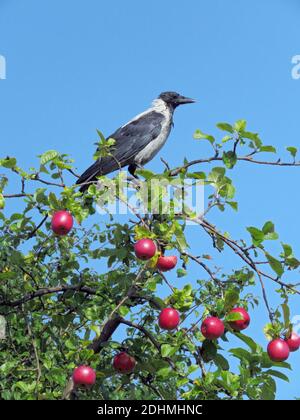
[{"x": 183, "y": 100}]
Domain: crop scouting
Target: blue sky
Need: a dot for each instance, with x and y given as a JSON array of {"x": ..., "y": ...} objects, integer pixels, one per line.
[{"x": 75, "y": 66}]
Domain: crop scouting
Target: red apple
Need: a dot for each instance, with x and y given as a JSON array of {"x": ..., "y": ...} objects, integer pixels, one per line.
[
  {"x": 278, "y": 350},
  {"x": 62, "y": 222},
  {"x": 145, "y": 249},
  {"x": 293, "y": 341},
  {"x": 124, "y": 363},
  {"x": 212, "y": 328},
  {"x": 84, "y": 375},
  {"x": 240, "y": 324},
  {"x": 169, "y": 319},
  {"x": 166, "y": 263}
]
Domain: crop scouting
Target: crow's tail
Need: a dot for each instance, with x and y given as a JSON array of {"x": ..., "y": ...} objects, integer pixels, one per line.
[
  {"x": 89, "y": 176},
  {"x": 101, "y": 167}
]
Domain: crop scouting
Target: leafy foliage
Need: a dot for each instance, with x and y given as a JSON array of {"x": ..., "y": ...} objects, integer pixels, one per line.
[{"x": 64, "y": 298}]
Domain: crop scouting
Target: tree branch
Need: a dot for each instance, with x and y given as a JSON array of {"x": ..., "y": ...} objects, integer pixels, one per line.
[
  {"x": 248, "y": 158},
  {"x": 48, "y": 291}
]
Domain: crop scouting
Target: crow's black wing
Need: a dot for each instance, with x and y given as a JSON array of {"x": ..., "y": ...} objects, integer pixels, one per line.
[{"x": 129, "y": 141}]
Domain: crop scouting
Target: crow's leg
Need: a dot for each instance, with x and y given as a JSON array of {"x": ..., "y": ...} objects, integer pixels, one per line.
[
  {"x": 136, "y": 180},
  {"x": 131, "y": 169}
]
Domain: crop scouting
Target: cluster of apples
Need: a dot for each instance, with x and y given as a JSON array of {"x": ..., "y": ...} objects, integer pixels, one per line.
[
  {"x": 86, "y": 376},
  {"x": 279, "y": 349},
  {"x": 212, "y": 327},
  {"x": 145, "y": 249}
]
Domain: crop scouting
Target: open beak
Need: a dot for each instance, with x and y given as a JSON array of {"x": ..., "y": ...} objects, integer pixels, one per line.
[{"x": 183, "y": 100}]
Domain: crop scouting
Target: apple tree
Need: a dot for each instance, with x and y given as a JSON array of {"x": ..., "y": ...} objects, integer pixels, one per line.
[{"x": 97, "y": 306}]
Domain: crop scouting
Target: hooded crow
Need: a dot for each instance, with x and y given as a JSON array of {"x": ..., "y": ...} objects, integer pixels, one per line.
[{"x": 138, "y": 141}]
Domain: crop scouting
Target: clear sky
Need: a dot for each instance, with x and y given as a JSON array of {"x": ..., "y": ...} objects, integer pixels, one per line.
[{"x": 74, "y": 66}]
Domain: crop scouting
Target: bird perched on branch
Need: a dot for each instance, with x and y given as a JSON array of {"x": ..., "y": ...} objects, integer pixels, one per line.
[{"x": 138, "y": 141}]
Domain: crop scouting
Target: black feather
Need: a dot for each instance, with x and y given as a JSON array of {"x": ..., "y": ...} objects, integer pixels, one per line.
[{"x": 129, "y": 141}]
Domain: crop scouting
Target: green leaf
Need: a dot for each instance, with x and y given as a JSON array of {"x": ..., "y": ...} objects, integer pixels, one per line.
[
  {"x": 48, "y": 156},
  {"x": 143, "y": 232},
  {"x": 181, "y": 272},
  {"x": 248, "y": 340},
  {"x": 275, "y": 265},
  {"x": 25, "y": 387},
  {"x": 228, "y": 191},
  {"x": 8, "y": 162},
  {"x": 277, "y": 374},
  {"x": 196, "y": 175},
  {"x": 241, "y": 354},
  {"x": 40, "y": 196},
  {"x": 221, "y": 362},
  {"x": 254, "y": 137},
  {"x": 183, "y": 245},
  {"x": 199, "y": 135},
  {"x": 286, "y": 315},
  {"x": 268, "y": 228},
  {"x": 268, "y": 331},
  {"x": 269, "y": 231},
  {"x": 209, "y": 350},
  {"x": 287, "y": 249},
  {"x": 293, "y": 150},
  {"x": 157, "y": 303},
  {"x": 8, "y": 275},
  {"x": 231, "y": 298},
  {"x": 217, "y": 173},
  {"x": 145, "y": 173},
  {"x": 292, "y": 262},
  {"x": 110, "y": 142},
  {"x": 233, "y": 205},
  {"x": 101, "y": 135},
  {"x": 2, "y": 202},
  {"x": 167, "y": 350},
  {"x": 225, "y": 127},
  {"x": 267, "y": 363},
  {"x": 230, "y": 381},
  {"x": 226, "y": 138},
  {"x": 164, "y": 372},
  {"x": 123, "y": 310},
  {"x": 152, "y": 284},
  {"x": 229, "y": 159},
  {"x": 257, "y": 235},
  {"x": 271, "y": 236},
  {"x": 269, "y": 149},
  {"x": 240, "y": 125},
  {"x": 54, "y": 204},
  {"x": 235, "y": 316},
  {"x": 268, "y": 389}
]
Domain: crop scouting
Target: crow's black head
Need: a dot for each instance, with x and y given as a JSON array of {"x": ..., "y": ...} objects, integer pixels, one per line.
[{"x": 174, "y": 99}]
